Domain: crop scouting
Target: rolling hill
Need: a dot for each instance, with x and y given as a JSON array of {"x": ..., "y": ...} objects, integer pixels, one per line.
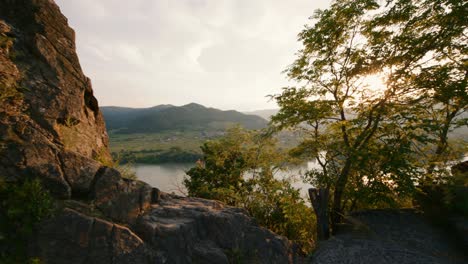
[{"x": 190, "y": 117}]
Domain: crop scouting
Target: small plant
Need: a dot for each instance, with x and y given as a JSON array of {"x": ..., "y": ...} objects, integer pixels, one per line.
[
  {"x": 126, "y": 170},
  {"x": 68, "y": 132}
]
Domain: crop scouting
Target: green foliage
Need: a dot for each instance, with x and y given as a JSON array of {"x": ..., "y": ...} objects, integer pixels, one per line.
[
  {"x": 428, "y": 59},
  {"x": 448, "y": 197},
  {"x": 373, "y": 143},
  {"x": 456, "y": 197},
  {"x": 22, "y": 207},
  {"x": 238, "y": 169}
]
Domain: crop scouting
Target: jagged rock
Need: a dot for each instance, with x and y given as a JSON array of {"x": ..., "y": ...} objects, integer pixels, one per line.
[
  {"x": 72, "y": 237},
  {"x": 48, "y": 112},
  {"x": 193, "y": 230},
  {"x": 79, "y": 172},
  {"x": 120, "y": 199}
]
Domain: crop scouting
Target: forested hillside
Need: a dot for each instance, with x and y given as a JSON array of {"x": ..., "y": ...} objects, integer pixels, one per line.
[{"x": 190, "y": 117}]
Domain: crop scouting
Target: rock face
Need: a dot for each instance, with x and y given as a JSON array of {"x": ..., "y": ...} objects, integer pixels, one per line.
[
  {"x": 175, "y": 230},
  {"x": 389, "y": 236},
  {"x": 209, "y": 232},
  {"x": 51, "y": 128},
  {"x": 73, "y": 237},
  {"x": 49, "y": 119}
]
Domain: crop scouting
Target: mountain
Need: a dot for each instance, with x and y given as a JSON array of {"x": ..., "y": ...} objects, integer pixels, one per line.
[
  {"x": 190, "y": 117},
  {"x": 265, "y": 113}
]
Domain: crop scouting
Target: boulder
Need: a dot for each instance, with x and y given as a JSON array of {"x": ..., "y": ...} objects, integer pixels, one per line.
[
  {"x": 194, "y": 230},
  {"x": 72, "y": 237},
  {"x": 120, "y": 199}
]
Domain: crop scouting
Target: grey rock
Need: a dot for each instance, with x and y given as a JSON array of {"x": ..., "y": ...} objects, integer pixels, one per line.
[
  {"x": 388, "y": 236},
  {"x": 120, "y": 199},
  {"x": 193, "y": 230},
  {"x": 79, "y": 172},
  {"x": 72, "y": 237}
]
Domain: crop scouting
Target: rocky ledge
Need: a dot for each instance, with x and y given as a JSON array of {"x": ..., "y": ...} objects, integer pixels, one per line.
[
  {"x": 390, "y": 236},
  {"x": 175, "y": 230}
]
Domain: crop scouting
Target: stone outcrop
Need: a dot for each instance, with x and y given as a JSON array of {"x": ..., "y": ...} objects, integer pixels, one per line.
[
  {"x": 73, "y": 237},
  {"x": 51, "y": 128},
  {"x": 175, "y": 230},
  {"x": 209, "y": 232},
  {"x": 121, "y": 199},
  {"x": 50, "y": 123},
  {"x": 389, "y": 236}
]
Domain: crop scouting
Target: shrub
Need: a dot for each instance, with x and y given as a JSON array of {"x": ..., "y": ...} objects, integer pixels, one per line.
[
  {"x": 238, "y": 170},
  {"x": 22, "y": 206}
]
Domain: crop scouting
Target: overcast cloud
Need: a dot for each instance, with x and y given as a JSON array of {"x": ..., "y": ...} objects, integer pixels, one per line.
[{"x": 227, "y": 54}]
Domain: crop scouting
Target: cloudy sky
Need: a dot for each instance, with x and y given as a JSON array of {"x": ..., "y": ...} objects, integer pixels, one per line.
[{"x": 227, "y": 54}]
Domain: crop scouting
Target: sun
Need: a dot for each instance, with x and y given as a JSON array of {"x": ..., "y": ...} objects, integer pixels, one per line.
[{"x": 374, "y": 85}]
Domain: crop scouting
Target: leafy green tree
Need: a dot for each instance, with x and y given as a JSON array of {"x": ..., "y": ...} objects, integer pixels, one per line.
[
  {"x": 342, "y": 115},
  {"x": 425, "y": 43},
  {"x": 239, "y": 169},
  {"x": 368, "y": 140}
]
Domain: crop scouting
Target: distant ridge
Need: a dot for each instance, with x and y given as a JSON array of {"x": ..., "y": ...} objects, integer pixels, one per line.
[
  {"x": 264, "y": 113},
  {"x": 189, "y": 117}
]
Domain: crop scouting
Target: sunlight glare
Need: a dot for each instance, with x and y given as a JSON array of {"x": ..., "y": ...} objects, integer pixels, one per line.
[{"x": 374, "y": 85}]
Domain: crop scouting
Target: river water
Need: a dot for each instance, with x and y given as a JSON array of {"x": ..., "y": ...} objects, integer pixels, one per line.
[{"x": 169, "y": 177}]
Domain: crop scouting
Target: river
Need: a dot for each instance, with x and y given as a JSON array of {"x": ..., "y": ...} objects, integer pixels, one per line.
[{"x": 169, "y": 177}]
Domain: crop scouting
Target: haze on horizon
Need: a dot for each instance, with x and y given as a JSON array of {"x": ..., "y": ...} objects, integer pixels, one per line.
[{"x": 227, "y": 54}]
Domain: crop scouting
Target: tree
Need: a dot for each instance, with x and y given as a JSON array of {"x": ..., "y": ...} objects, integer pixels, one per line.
[
  {"x": 367, "y": 139},
  {"x": 239, "y": 169},
  {"x": 426, "y": 47},
  {"x": 342, "y": 115}
]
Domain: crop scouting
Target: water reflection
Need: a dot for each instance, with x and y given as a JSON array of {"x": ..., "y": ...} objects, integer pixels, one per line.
[{"x": 169, "y": 177}]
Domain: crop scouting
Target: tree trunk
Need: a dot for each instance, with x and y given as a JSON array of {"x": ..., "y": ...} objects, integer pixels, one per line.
[
  {"x": 337, "y": 209},
  {"x": 319, "y": 199}
]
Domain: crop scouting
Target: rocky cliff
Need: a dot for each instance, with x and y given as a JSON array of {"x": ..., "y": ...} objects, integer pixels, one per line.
[
  {"x": 50, "y": 123},
  {"x": 51, "y": 129}
]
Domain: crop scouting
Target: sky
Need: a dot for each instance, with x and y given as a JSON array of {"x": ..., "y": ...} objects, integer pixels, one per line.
[{"x": 227, "y": 54}]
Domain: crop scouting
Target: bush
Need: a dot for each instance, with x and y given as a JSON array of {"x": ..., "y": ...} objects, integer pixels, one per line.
[
  {"x": 239, "y": 171},
  {"x": 22, "y": 206}
]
